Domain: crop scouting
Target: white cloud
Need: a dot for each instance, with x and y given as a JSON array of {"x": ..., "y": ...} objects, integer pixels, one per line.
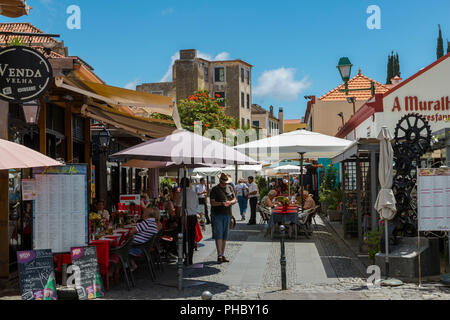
[
  {"x": 132, "y": 84},
  {"x": 220, "y": 57},
  {"x": 167, "y": 11},
  {"x": 280, "y": 84}
]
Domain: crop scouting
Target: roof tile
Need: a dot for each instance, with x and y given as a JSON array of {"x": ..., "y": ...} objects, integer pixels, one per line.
[
  {"x": 357, "y": 82},
  {"x": 23, "y": 27}
]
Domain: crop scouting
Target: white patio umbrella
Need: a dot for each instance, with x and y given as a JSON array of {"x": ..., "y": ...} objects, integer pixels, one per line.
[
  {"x": 292, "y": 144},
  {"x": 385, "y": 203},
  {"x": 17, "y": 156}
]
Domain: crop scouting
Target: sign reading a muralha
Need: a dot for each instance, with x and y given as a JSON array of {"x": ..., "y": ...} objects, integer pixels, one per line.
[{"x": 25, "y": 74}]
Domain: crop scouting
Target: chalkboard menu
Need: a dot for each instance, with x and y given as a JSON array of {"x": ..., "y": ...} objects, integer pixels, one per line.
[
  {"x": 88, "y": 282},
  {"x": 36, "y": 274},
  {"x": 60, "y": 218}
]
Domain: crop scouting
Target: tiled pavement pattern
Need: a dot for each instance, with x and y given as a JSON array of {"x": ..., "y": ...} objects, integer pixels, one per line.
[{"x": 317, "y": 268}]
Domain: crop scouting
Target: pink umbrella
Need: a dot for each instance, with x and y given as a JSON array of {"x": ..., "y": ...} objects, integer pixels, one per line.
[
  {"x": 185, "y": 147},
  {"x": 16, "y": 156}
]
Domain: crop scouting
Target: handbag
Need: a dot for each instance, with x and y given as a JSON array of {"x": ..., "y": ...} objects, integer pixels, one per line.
[{"x": 232, "y": 222}]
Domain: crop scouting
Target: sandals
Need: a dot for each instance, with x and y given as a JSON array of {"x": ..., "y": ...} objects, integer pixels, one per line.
[{"x": 222, "y": 259}]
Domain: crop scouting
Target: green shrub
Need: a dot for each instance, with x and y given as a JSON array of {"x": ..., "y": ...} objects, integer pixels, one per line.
[{"x": 372, "y": 239}]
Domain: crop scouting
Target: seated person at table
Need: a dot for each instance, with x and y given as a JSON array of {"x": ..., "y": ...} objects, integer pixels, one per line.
[
  {"x": 267, "y": 203},
  {"x": 308, "y": 201},
  {"x": 144, "y": 230},
  {"x": 102, "y": 211}
]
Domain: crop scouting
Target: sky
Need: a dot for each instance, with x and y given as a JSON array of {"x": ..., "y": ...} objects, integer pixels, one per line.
[{"x": 293, "y": 45}]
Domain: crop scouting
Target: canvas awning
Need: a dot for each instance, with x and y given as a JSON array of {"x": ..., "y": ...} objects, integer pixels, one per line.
[
  {"x": 14, "y": 8},
  {"x": 142, "y": 127},
  {"x": 115, "y": 96}
]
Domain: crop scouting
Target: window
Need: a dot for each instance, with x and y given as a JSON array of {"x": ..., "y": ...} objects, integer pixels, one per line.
[
  {"x": 219, "y": 74},
  {"x": 248, "y": 122},
  {"x": 256, "y": 123},
  {"x": 242, "y": 74},
  {"x": 205, "y": 73},
  {"x": 161, "y": 93},
  {"x": 242, "y": 100},
  {"x": 242, "y": 123},
  {"x": 222, "y": 96},
  {"x": 248, "y": 101},
  {"x": 248, "y": 76}
]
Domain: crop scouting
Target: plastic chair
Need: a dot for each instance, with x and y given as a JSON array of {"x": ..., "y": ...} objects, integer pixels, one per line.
[
  {"x": 303, "y": 219},
  {"x": 264, "y": 214},
  {"x": 146, "y": 248},
  {"x": 123, "y": 253},
  {"x": 157, "y": 249}
]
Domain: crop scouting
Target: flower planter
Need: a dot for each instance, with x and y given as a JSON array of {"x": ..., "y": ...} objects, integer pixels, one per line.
[{"x": 334, "y": 215}]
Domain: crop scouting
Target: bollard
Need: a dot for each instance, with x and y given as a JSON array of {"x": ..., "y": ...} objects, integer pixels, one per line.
[
  {"x": 283, "y": 259},
  {"x": 180, "y": 261},
  {"x": 206, "y": 295}
]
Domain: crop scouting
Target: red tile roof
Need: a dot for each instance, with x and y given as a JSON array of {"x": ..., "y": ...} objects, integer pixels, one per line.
[
  {"x": 23, "y": 27},
  {"x": 357, "y": 82}
]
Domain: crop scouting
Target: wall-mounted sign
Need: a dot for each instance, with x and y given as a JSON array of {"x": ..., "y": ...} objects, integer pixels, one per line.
[
  {"x": 25, "y": 74},
  {"x": 434, "y": 110}
]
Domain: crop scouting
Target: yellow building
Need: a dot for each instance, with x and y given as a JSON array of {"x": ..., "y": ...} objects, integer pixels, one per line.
[{"x": 293, "y": 124}]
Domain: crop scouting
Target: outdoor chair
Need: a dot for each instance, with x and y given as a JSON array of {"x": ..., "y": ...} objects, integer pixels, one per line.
[
  {"x": 311, "y": 217},
  {"x": 146, "y": 248},
  {"x": 303, "y": 219},
  {"x": 123, "y": 253},
  {"x": 264, "y": 214},
  {"x": 157, "y": 249}
]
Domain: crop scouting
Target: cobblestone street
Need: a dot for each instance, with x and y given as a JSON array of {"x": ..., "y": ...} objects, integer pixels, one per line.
[{"x": 317, "y": 268}]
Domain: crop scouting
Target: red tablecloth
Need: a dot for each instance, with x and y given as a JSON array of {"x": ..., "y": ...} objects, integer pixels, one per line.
[{"x": 280, "y": 210}]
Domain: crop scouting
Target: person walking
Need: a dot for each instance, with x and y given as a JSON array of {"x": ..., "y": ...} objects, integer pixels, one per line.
[
  {"x": 242, "y": 196},
  {"x": 222, "y": 198},
  {"x": 191, "y": 221},
  {"x": 202, "y": 193},
  {"x": 253, "y": 198}
]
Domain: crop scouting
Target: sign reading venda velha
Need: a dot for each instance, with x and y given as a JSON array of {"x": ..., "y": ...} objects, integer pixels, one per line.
[{"x": 25, "y": 74}]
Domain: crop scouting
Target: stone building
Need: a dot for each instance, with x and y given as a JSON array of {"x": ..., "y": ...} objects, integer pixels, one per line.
[
  {"x": 266, "y": 120},
  {"x": 230, "y": 79}
]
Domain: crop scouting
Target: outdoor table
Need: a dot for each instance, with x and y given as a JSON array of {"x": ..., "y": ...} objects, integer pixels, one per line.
[
  {"x": 114, "y": 237},
  {"x": 283, "y": 216}
]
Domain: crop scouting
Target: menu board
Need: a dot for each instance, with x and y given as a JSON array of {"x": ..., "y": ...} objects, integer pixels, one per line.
[
  {"x": 433, "y": 189},
  {"x": 36, "y": 274},
  {"x": 89, "y": 285},
  {"x": 60, "y": 216}
]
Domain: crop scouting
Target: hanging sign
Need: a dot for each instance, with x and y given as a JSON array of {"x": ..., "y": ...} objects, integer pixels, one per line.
[{"x": 25, "y": 74}]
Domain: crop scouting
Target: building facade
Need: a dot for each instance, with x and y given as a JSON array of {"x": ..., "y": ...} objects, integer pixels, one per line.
[
  {"x": 329, "y": 113},
  {"x": 290, "y": 125},
  {"x": 426, "y": 93},
  {"x": 266, "y": 120},
  {"x": 231, "y": 80}
]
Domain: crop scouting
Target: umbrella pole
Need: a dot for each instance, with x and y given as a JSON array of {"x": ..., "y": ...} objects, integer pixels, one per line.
[
  {"x": 181, "y": 236},
  {"x": 301, "y": 177},
  {"x": 386, "y": 242}
]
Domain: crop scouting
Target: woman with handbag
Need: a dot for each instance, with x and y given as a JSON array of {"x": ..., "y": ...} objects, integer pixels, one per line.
[{"x": 242, "y": 197}]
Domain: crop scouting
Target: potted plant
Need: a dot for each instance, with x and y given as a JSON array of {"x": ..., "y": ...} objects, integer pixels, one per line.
[
  {"x": 334, "y": 200},
  {"x": 372, "y": 239}
]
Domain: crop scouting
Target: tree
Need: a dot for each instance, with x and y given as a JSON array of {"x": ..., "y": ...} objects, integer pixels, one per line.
[
  {"x": 389, "y": 70},
  {"x": 397, "y": 66},
  {"x": 440, "y": 45},
  {"x": 393, "y": 67},
  {"x": 200, "y": 107}
]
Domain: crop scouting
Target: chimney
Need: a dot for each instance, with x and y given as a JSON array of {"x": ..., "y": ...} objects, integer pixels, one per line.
[
  {"x": 189, "y": 54},
  {"x": 396, "y": 81},
  {"x": 281, "y": 120}
]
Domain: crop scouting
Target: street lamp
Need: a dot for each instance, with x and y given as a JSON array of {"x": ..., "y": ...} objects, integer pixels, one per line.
[
  {"x": 104, "y": 138},
  {"x": 345, "y": 69},
  {"x": 352, "y": 100},
  {"x": 31, "y": 111}
]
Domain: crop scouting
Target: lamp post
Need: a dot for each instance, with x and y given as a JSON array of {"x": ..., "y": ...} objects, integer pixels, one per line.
[
  {"x": 345, "y": 69},
  {"x": 104, "y": 137},
  {"x": 341, "y": 115},
  {"x": 31, "y": 111}
]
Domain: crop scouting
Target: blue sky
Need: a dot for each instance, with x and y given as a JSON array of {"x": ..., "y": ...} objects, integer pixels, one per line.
[{"x": 294, "y": 45}]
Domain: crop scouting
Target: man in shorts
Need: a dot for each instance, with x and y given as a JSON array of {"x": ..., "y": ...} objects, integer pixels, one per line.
[{"x": 222, "y": 199}]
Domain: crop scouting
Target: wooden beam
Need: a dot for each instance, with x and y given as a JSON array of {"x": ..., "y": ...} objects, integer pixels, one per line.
[
  {"x": 69, "y": 132},
  {"x": 42, "y": 124},
  {"x": 87, "y": 154},
  {"x": 4, "y": 198}
]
